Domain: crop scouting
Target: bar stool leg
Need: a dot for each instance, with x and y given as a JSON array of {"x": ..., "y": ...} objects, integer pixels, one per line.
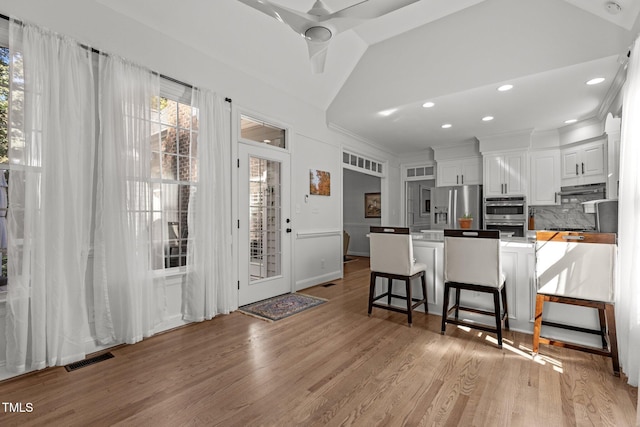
[
  {"x": 445, "y": 307},
  {"x": 613, "y": 338},
  {"x": 496, "y": 304},
  {"x": 372, "y": 289},
  {"x": 409, "y": 300},
  {"x": 505, "y": 305},
  {"x": 537, "y": 324},
  {"x": 423, "y": 280}
]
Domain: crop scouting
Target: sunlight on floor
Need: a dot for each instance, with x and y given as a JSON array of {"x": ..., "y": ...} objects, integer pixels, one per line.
[{"x": 521, "y": 350}]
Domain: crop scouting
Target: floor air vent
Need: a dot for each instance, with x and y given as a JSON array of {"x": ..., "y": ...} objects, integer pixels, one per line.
[{"x": 86, "y": 362}]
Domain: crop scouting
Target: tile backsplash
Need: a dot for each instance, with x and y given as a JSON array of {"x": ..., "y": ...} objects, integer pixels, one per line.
[{"x": 569, "y": 214}]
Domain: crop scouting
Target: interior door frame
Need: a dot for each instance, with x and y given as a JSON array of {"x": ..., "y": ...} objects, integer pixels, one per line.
[{"x": 236, "y": 113}]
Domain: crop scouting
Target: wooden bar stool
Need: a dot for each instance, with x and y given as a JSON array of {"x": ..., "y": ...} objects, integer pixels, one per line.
[
  {"x": 472, "y": 263},
  {"x": 392, "y": 258},
  {"x": 577, "y": 269}
]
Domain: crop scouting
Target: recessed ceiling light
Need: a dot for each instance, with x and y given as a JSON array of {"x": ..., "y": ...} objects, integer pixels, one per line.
[
  {"x": 446, "y": 125},
  {"x": 487, "y": 118},
  {"x": 428, "y": 104},
  {"x": 389, "y": 112},
  {"x": 595, "y": 81},
  {"x": 505, "y": 88},
  {"x": 570, "y": 121}
]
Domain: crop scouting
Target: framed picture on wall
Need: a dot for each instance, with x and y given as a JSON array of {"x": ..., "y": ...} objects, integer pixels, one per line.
[
  {"x": 319, "y": 182},
  {"x": 372, "y": 205}
]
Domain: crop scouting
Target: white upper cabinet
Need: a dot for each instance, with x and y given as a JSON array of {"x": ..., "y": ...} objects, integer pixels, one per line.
[
  {"x": 584, "y": 163},
  {"x": 464, "y": 171},
  {"x": 544, "y": 178},
  {"x": 505, "y": 174}
]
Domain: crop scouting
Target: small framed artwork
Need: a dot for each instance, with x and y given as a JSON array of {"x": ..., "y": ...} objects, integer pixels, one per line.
[
  {"x": 372, "y": 205},
  {"x": 319, "y": 182}
]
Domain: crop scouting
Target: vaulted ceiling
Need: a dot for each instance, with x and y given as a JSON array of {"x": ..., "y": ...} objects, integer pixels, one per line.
[{"x": 454, "y": 53}]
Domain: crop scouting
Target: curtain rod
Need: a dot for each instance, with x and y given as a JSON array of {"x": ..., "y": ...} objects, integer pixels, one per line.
[{"x": 98, "y": 52}]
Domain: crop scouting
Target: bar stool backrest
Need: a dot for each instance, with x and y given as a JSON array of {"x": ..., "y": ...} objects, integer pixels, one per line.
[
  {"x": 576, "y": 265},
  {"x": 391, "y": 250},
  {"x": 473, "y": 256}
]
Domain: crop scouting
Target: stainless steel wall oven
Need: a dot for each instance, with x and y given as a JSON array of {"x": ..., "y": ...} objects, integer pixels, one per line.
[{"x": 507, "y": 214}]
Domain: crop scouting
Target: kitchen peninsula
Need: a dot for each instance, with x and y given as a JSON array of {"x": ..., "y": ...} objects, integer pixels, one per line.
[{"x": 518, "y": 265}]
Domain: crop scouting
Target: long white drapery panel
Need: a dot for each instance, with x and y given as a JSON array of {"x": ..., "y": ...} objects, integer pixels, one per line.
[
  {"x": 628, "y": 291},
  {"x": 52, "y": 130},
  {"x": 125, "y": 298},
  {"x": 208, "y": 289}
]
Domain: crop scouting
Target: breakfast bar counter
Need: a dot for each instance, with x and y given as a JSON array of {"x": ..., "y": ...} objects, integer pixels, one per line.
[{"x": 518, "y": 265}]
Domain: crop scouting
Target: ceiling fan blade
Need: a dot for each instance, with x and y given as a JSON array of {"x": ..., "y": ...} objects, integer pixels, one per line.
[
  {"x": 317, "y": 55},
  {"x": 371, "y": 9},
  {"x": 298, "y": 21}
]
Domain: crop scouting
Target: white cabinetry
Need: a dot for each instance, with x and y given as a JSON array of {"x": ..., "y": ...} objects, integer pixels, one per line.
[
  {"x": 585, "y": 163},
  {"x": 464, "y": 171},
  {"x": 544, "y": 178},
  {"x": 505, "y": 174},
  {"x": 517, "y": 265}
]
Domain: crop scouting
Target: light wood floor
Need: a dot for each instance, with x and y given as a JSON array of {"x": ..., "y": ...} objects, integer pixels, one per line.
[{"x": 331, "y": 365}]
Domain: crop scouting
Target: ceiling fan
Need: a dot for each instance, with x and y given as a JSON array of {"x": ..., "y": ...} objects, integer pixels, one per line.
[{"x": 319, "y": 25}]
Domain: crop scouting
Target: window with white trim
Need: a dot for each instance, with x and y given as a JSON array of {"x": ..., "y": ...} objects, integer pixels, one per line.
[{"x": 174, "y": 172}]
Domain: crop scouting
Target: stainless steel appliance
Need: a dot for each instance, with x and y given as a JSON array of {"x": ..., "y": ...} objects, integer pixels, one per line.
[
  {"x": 450, "y": 203},
  {"x": 507, "y": 214},
  {"x": 607, "y": 216}
]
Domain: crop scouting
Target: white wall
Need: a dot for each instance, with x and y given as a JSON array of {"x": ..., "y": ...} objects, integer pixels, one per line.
[
  {"x": 317, "y": 221},
  {"x": 317, "y": 224},
  {"x": 355, "y": 186}
]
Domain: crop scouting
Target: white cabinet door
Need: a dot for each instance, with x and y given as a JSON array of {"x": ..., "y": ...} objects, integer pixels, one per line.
[
  {"x": 471, "y": 171},
  {"x": 448, "y": 173},
  {"x": 465, "y": 171},
  {"x": 570, "y": 168},
  {"x": 504, "y": 174},
  {"x": 593, "y": 163},
  {"x": 544, "y": 177},
  {"x": 513, "y": 167},
  {"x": 584, "y": 164},
  {"x": 493, "y": 183}
]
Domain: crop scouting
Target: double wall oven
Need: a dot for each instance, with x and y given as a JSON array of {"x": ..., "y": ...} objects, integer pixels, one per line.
[{"x": 507, "y": 214}]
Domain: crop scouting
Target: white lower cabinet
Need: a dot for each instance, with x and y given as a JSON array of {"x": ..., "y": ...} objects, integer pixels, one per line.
[{"x": 516, "y": 266}]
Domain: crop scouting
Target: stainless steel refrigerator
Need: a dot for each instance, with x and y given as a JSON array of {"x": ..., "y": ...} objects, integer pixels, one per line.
[{"x": 450, "y": 203}]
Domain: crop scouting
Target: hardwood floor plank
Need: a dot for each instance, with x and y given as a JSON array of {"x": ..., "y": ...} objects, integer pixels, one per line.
[{"x": 330, "y": 365}]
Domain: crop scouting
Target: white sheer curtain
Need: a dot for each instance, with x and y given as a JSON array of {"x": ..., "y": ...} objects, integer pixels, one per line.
[
  {"x": 628, "y": 292},
  {"x": 125, "y": 299},
  {"x": 52, "y": 130},
  {"x": 208, "y": 289}
]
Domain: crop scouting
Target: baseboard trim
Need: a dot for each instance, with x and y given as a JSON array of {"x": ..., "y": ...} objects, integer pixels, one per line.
[{"x": 313, "y": 281}]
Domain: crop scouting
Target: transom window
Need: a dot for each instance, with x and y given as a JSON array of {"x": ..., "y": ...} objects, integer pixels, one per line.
[{"x": 259, "y": 131}]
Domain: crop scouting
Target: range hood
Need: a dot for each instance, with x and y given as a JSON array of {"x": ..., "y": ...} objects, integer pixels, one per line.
[{"x": 580, "y": 190}]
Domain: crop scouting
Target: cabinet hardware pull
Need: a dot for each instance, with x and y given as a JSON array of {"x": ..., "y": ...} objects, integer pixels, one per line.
[
  {"x": 457, "y": 177},
  {"x": 582, "y": 168},
  {"x": 576, "y": 169},
  {"x": 462, "y": 179}
]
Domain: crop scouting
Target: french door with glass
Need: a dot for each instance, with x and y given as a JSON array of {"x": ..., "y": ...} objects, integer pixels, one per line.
[{"x": 264, "y": 225}]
